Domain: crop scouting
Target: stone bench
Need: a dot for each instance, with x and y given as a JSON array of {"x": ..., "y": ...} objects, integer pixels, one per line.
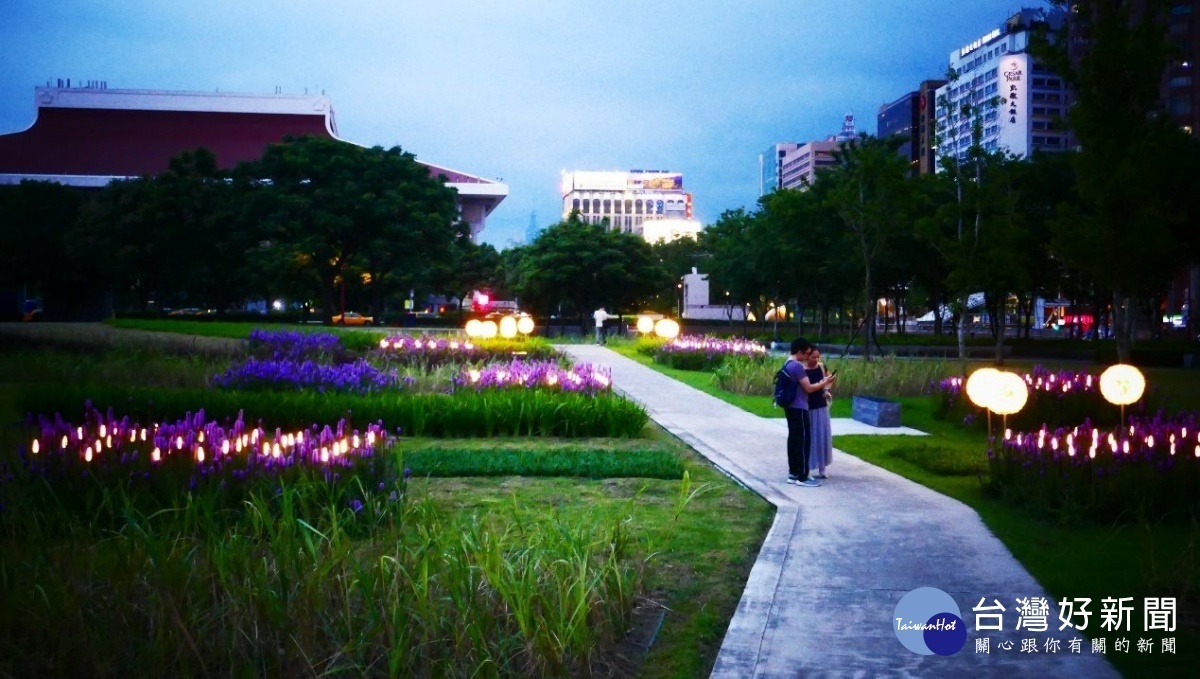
[{"x": 876, "y": 411}]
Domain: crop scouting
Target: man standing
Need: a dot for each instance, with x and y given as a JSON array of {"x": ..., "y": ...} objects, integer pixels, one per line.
[{"x": 601, "y": 316}]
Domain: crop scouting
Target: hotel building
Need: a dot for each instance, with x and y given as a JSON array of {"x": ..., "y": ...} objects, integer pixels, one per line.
[{"x": 1020, "y": 105}]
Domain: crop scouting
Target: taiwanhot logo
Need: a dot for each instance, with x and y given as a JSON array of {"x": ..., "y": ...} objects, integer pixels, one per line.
[{"x": 928, "y": 621}]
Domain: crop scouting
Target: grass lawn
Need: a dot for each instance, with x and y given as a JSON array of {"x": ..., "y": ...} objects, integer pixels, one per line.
[{"x": 1069, "y": 557}]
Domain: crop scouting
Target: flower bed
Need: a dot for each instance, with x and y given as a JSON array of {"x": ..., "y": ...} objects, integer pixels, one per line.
[
  {"x": 1148, "y": 470},
  {"x": 431, "y": 351},
  {"x": 1056, "y": 399},
  {"x": 705, "y": 352},
  {"x": 548, "y": 375},
  {"x": 151, "y": 465},
  {"x": 288, "y": 374}
]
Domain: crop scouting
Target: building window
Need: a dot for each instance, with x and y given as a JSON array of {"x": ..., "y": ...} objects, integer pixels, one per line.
[
  {"x": 607, "y": 206},
  {"x": 575, "y": 205},
  {"x": 587, "y": 206},
  {"x": 596, "y": 205},
  {"x": 637, "y": 208},
  {"x": 1181, "y": 81}
]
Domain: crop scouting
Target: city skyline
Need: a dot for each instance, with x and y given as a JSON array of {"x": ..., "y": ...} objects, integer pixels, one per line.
[{"x": 520, "y": 91}]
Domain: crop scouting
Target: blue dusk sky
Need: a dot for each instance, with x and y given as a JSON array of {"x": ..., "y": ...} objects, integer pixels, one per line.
[{"x": 520, "y": 90}]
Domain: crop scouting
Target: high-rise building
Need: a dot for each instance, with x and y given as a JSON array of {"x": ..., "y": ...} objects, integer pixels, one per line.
[
  {"x": 625, "y": 200},
  {"x": 1019, "y": 104},
  {"x": 910, "y": 118},
  {"x": 1181, "y": 92},
  {"x": 799, "y": 163},
  {"x": 770, "y": 167}
]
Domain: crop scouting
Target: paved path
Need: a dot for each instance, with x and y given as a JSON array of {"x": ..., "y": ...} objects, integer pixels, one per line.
[{"x": 820, "y": 598}]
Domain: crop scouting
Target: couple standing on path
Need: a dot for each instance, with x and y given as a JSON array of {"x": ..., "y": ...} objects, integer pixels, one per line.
[{"x": 810, "y": 434}]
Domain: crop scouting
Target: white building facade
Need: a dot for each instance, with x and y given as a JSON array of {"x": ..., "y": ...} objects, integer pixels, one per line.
[
  {"x": 628, "y": 200},
  {"x": 1019, "y": 104}
]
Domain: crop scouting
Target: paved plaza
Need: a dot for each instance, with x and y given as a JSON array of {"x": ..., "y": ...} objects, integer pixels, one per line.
[{"x": 821, "y": 597}]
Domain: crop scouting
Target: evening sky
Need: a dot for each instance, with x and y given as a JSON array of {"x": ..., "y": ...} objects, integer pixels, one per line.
[{"x": 520, "y": 90}]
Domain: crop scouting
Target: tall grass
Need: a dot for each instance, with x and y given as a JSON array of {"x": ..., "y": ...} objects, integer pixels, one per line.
[
  {"x": 497, "y": 412},
  {"x": 887, "y": 376},
  {"x": 391, "y": 588}
]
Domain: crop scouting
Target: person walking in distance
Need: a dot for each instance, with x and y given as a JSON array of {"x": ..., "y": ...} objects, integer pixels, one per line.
[
  {"x": 600, "y": 316},
  {"x": 797, "y": 413}
]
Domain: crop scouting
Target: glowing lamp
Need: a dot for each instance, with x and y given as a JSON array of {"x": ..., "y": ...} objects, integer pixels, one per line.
[
  {"x": 508, "y": 327},
  {"x": 645, "y": 324},
  {"x": 1122, "y": 384},
  {"x": 666, "y": 329},
  {"x": 1009, "y": 395},
  {"x": 525, "y": 325},
  {"x": 474, "y": 328},
  {"x": 488, "y": 329},
  {"x": 981, "y": 386}
]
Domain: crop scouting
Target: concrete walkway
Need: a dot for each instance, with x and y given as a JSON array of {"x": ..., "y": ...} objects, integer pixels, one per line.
[{"x": 821, "y": 598}]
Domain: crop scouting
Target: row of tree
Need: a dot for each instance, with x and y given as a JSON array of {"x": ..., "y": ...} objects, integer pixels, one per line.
[{"x": 314, "y": 219}]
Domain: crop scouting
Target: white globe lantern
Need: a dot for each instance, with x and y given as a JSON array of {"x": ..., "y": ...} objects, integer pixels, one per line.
[
  {"x": 645, "y": 324},
  {"x": 474, "y": 328},
  {"x": 488, "y": 329},
  {"x": 525, "y": 325},
  {"x": 981, "y": 386},
  {"x": 666, "y": 329},
  {"x": 1122, "y": 384},
  {"x": 508, "y": 327},
  {"x": 1010, "y": 394}
]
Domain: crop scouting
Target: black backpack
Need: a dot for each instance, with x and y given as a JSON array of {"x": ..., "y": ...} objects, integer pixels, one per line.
[{"x": 786, "y": 388}]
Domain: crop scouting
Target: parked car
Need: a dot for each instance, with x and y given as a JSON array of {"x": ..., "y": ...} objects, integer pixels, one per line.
[{"x": 353, "y": 318}]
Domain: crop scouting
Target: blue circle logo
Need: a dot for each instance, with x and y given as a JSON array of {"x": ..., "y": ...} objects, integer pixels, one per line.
[{"x": 928, "y": 621}]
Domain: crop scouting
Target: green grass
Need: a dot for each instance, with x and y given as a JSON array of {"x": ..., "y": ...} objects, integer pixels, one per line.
[{"x": 593, "y": 458}]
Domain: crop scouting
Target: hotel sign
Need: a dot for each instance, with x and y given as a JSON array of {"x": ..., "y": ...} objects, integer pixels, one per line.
[{"x": 967, "y": 49}]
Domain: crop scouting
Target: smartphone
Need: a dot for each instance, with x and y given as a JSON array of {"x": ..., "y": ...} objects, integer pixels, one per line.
[{"x": 834, "y": 373}]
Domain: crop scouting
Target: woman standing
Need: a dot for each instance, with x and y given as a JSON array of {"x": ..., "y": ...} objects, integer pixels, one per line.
[{"x": 820, "y": 428}]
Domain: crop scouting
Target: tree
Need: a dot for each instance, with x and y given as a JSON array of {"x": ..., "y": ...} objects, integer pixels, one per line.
[
  {"x": 872, "y": 196},
  {"x": 355, "y": 218},
  {"x": 1131, "y": 227},
  {"x": 36, "y": 220},
  {"x": 582, "y": 266},
  {"x": 741, "y": 261},
  {"x": 808, "y": 249}
]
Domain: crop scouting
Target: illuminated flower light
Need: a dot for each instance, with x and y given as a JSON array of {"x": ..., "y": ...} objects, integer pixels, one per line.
[{"x": 521, "y": 373}]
